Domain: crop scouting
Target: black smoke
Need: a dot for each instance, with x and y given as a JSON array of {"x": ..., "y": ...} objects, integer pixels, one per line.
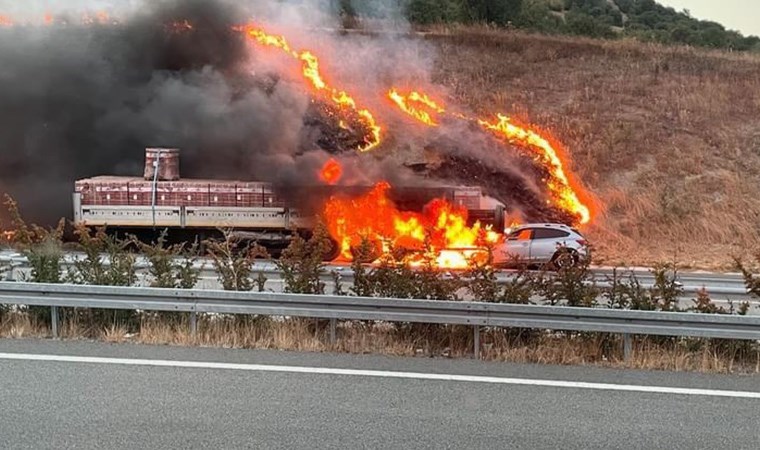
[{"x": 83, "y": 100}]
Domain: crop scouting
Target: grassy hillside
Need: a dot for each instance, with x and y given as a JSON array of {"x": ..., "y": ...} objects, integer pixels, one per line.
[
  {"x": 645, "y": 20},
  {"x": 668, "y": 138}
]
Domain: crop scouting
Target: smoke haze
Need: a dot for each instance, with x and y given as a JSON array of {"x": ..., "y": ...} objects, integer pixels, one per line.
[{"x": 79, "y": 100}]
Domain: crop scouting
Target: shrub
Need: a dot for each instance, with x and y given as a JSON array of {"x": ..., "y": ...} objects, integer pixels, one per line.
[
  {"x": 751, "y": 281},
  {"x": 234, "y": 260},
  {"x": 302, "y": 265},
  {"x": 106, "y": 261},
  {"x": 362, "y": 285},
  {"x": 704, "y": 304},
  {"x": 627, "y": 292},
  {"x": 666, "y": 290},
  {"x": 171, "y": 266},
  {"x": 574, "y": 284},
  {"x": 42, "y": 247}
]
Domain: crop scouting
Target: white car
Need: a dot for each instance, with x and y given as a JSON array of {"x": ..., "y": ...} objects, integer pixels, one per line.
[{"x": 541, "y": 244}]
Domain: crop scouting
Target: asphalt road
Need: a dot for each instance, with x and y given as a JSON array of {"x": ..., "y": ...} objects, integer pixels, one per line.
[{"x": 132, "y": 396}]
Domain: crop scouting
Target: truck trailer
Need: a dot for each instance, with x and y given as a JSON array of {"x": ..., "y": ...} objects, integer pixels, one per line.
[{"x": 254, "y": 210}]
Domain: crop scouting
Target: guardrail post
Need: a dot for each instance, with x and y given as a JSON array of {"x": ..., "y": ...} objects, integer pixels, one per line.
[
  {"x": 476, "y": 345},
  {"x": 193, "y": 323},
  {"x": 333, "y": 330},
  {"x": 627, "y": 347},
  {"x": 54, "y": 320}
]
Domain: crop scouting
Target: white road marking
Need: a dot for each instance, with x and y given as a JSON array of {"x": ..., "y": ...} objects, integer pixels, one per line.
[{"x": 381, "y": 374}]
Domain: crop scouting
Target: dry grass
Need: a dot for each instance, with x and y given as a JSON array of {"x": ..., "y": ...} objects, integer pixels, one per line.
[
  {"x": 309, "y": 335},
  {"x": 668, "y": 138},
  {"x": 18, "y": 325}
]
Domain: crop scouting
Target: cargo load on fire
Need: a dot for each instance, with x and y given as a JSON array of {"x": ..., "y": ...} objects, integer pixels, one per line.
[{"x": 256, "y": 211}]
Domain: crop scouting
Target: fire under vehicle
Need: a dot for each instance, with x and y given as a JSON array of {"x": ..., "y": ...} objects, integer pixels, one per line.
[{"x": 254, "y": 210}]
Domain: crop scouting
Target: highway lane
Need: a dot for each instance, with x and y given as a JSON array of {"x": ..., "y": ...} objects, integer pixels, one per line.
[{"x": 121, "y": 402}]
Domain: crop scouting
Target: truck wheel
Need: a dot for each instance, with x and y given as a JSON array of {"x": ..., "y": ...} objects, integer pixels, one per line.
[{"x": 332, "y": 251}]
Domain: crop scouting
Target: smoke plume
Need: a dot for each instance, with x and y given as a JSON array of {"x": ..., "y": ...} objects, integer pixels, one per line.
[{"x": 83, "y": 94}]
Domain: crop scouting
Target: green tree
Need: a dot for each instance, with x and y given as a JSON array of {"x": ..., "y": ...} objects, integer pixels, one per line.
[
  {"x": 582, "y": 24},
  {"x": 499, "y": 12},
  {"x": 436, "y": 11}
]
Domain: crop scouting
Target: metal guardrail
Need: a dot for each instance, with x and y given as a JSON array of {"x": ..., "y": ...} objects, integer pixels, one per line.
[
  {"x": 729, "y": 286},
  {"x": 331, "y": 307}
]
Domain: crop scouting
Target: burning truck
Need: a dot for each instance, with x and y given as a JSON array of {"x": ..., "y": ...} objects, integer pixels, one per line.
[{"x": 270, "y": 215}]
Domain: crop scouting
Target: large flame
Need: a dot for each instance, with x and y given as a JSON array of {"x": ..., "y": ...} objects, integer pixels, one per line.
[
  {"x": 546, "y": 155},
  {"x": 564, "y": 194},
  {"x": 312, "y": 73},
  {"x": 441, "y": 228}
]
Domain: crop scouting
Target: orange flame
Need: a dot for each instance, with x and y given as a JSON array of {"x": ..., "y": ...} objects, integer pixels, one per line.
[
  {"x": 331, "y": 172},
  {"x": 546, "y": 154},
  {"x": 373, "y": 216},
  {"x": 5, "y": 21},
  {"x": 311, "y": 71},
  {"x": 407, "y": 104}
]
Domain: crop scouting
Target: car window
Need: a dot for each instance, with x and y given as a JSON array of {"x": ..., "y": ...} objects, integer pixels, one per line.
[
  {"x": 521, "y": 235},
  {"x": 548, "y": 233}
]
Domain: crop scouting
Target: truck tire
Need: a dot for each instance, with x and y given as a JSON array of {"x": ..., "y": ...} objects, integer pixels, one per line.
[{"x": 332, "y": 252}]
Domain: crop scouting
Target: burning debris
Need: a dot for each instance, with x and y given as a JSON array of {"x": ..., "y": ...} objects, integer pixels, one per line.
[
  {"x": 545, "y": 153},
  {"x": 331, "y": 172},
  {"x": 438, "y": 229},
  {"x": 311, "y": 72}
]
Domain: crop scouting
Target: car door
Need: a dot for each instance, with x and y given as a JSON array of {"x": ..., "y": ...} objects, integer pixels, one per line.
[
  {"x": 517, "y": 246},
  {"x": 545, "y": 243}
]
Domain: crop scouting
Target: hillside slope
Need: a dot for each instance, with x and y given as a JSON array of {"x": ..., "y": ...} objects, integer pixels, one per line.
[{"x": 668, "y": 138}]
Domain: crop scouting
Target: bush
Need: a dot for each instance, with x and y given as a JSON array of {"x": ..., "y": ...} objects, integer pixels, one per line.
[
  {"x": 362, "y": 286},
  {"x": 234, "y": 260},
  {"x": 302, "y": 262},
  {"x": 436, "y": 11},
  {"x": 106, "y": 262},
  {"x": 582, "y": 24},
  {"x": 171, "y": 266},
  {"x": 627, "y": 292},
  {"x": 42, "y": 247},
  {"x": 574, "y": 285}
]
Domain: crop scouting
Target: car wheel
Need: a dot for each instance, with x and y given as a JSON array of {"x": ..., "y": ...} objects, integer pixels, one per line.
[{"x": 565, "y": 259}]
